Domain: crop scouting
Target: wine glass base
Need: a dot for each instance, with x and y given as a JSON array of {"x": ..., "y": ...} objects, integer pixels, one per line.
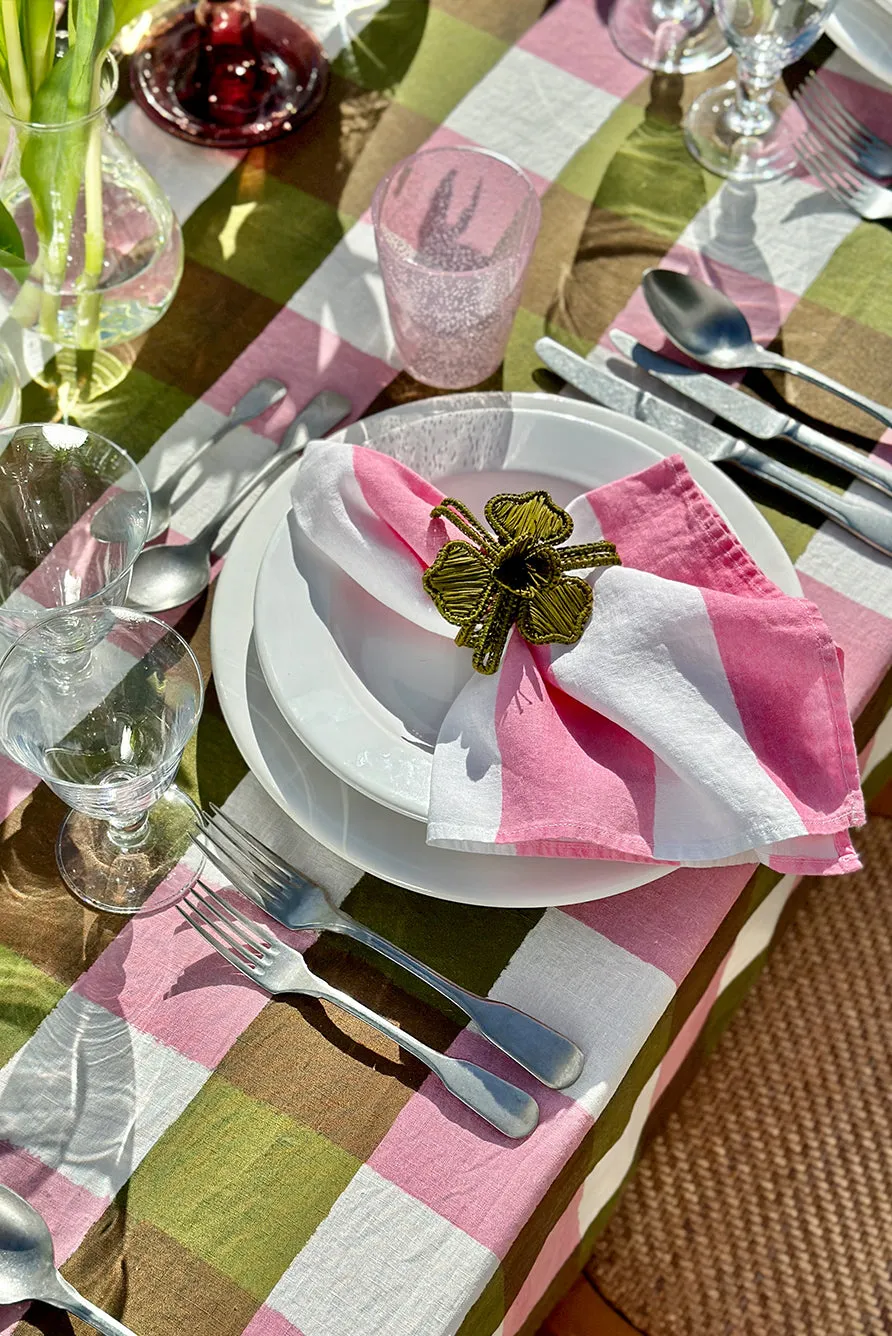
[
  {"x": 142, "y": 880},
  {"x": 714, "y": 141},
  {"x": 289, "y": 78},
  {"x": 649, "y": 33}
]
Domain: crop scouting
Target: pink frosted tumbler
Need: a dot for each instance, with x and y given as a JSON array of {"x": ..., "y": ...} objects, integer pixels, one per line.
[{"x": 455, "y": 229}]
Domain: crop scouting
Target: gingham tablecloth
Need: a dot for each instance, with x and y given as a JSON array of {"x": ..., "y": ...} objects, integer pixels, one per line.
[{"x": 212, "y": 1162}]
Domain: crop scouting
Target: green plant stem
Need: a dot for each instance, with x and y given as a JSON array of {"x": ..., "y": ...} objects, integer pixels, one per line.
[
  {"x": 89, "y": 298},
  {"x": 18, "y": 74}
]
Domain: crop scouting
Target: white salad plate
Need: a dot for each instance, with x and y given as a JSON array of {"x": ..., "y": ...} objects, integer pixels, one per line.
[
  {"x": 365, "y": 689},
  {"x": 863, "y": 29},
  {"x": 343, "y": 816}
]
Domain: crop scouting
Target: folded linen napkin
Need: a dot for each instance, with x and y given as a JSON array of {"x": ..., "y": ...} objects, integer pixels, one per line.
[{"x": 700, "y": 719}]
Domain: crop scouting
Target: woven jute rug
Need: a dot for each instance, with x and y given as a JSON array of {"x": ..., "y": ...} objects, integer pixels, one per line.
[{"x": 764, "y": 1205}]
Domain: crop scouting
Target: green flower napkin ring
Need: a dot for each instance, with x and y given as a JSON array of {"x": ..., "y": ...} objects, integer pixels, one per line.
[{"x": 516, "y": 575}]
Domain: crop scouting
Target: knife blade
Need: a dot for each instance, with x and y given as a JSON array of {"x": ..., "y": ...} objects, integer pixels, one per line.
[
  {"x": 624, "y": 388},
  {"x": 751, "y": 415}
]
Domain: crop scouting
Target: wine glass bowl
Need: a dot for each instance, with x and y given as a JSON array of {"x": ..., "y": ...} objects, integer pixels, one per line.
[
  {"x": 673, "y": 36},
  {"x": 74, "y": 514},
  {"x": 745, "y": 129},
  {"x": 229, "y": 73},
  {"x": 104, "y": 724}
]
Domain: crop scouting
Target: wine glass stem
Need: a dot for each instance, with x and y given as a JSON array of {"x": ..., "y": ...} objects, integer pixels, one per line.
[
  {"x": 688, "y": 12},
  {"x": 752, "y": 114},
  {"x": 128, "y": 835}
]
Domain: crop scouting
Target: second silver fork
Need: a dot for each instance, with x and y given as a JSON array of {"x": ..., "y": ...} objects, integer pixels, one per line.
[
  {"x": 833, "y": 122},
  {"x": 278, "y": 968},
  {"x": 259, "y": 873},
  {"x": 843, "y": 181}
]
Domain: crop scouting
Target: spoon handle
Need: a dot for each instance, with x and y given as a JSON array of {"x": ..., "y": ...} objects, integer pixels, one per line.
[
  {"x": 68, "y": 1298},
  {"x": 207, "y": 536},
  {"x": 248, "y": 408},
  {"x": 808, "y": 373}
]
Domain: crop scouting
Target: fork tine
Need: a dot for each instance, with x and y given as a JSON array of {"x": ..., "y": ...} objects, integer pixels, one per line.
[
  {"x": 248, "y": 880},
  {"x": 256, "y": 935},
  {"x": 829, "y": 108},
  {"x": 264, "y": 869},
  {"x": 261, "y": 850},
  {"x": 192, "y": 918},
  {"x": 833, "y": 165},
  {"x": 815, "y": 166},
  {"x": 224, "y": 929},
  {"x": 835, "y": 138},
  {"x": 843, "y": 114}
]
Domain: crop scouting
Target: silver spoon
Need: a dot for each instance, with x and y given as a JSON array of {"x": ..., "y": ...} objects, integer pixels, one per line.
[
  {"x": 108, "y": 521},
  {"x": 164, "y": 577},
  {"x": 28, "y": 1267},
  {"x": 706, "y": 325}
]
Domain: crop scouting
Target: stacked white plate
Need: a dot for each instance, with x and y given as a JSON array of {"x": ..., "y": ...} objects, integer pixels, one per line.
[
  {"x": 335, "y": 701},
  {"x": 863, "y": 29}
]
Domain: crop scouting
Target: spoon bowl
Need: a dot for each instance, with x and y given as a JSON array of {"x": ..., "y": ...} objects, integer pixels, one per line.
[
  {"x": 699, "y": 320},
  {"x": 28, "y": 1266}
]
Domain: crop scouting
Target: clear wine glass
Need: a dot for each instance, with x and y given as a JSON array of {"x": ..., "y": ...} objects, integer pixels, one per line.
[
  {"x": 743, "y": 129},
  {"x": 74, "y": 514},
  {"x": 99, "y": 703},
  {"x": 673, "y": 36},
  {"x": 229, "y": 73}
]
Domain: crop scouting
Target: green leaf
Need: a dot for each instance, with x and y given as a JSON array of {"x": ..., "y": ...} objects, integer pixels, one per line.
[
  {"x": 128, "y": 10},
  {"x": 12, "y": 248},
  {"x": 49, "y": 159},
  {"x": 53, "y": 163},
  {"x": 10, "y": 236},
  {"x": 95, "y": 30},
  {"x": 38, "y": 40}
]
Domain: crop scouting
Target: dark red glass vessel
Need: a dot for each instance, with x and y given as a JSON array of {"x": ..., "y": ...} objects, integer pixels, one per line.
[{"x": 229, "y": 73}]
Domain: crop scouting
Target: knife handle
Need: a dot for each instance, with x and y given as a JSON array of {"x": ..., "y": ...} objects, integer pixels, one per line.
[
  {"x": 865, "y": 519},
  {"x": 863, "y": 466}
]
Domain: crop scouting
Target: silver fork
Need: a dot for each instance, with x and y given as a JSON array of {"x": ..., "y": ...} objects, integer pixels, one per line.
[
  {"x": 843, "y": 181},
  {"x": 833, "y": 122},
  {"x": 297, "y": 903},
  {"x": 280, "y": 969}
]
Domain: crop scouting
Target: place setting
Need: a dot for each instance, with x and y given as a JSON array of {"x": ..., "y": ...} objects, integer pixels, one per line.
[{"x": 576, "y": 667}]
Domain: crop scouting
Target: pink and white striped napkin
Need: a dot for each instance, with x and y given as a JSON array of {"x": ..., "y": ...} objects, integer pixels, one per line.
[{"x": 701, "y": 718}]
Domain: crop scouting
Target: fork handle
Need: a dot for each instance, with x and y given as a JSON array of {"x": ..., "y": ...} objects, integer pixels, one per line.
[
  {"x": 508, "y": 1109},
  {"x": 836, "y": 387},
  {"x": 549, "y": 1056},
  {"x": 870, "y": 521},
  {"x": 854, "y": 461}
]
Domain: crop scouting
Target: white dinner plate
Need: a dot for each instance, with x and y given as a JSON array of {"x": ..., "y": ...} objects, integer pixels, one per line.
[
  {"x": 365, "y": 689},
  {"x": 366, "y": 833},
  {"x": 863, "y": 29}
]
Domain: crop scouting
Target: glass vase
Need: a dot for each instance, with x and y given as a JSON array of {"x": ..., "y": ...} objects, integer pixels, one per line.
[{"x": 103, "y": 248}]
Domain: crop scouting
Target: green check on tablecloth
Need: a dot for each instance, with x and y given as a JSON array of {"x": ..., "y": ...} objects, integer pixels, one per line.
[{"x": 211, "y": 1161}]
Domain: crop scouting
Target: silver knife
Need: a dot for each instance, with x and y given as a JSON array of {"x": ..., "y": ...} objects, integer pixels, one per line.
[
  {"x": 623, "y": 388},
  {"x": 751, "y": 415}
]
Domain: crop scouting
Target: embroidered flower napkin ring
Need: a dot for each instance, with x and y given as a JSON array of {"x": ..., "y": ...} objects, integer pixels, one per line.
[{"x": 513, "y": 576}]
